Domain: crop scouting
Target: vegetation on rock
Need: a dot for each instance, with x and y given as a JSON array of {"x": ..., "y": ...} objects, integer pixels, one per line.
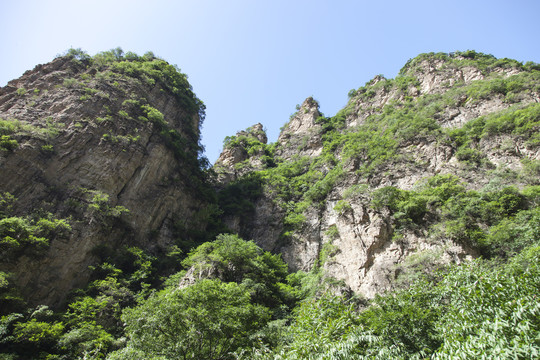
[{"x": 445, "y": 155}]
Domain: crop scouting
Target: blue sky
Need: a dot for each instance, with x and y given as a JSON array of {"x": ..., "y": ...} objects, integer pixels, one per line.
[{"x": 253, "y": 61}]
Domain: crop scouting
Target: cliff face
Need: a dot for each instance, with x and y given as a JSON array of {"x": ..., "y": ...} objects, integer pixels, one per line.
[
  {"x": 235, "y": 161},
  {"x": 441, "y": 118},
  {"x": 100, "y": 154},
  {"x": 107, "y": 146}
]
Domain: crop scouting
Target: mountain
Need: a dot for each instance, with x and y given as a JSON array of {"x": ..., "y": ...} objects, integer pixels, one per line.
[
  {"x": 96, "y": 155},
  {"x": 372, "y": 189},
  {"x": 404, "y": 226}
]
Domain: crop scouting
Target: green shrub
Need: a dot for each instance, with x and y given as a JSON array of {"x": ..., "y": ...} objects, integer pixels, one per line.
[
  {"x": 332, "y": 232},
  {"x": 470, "y": 156},
  {"x": 388, "y": 196},
  {"x": 19, "y": 234},
  {"x": 70, "y": 82},
  {"x": 232, "y": 259},
  {"x": 6, "y": 204},
  {"x": 88, "y": 339},
  {"x": 239, "y": 196},
  {"x": 8, "y": 127},
  {"x": 206, "y": 320},
  {"x": 47, "y": 148},
  {"x": 154, "y": 115},
  {"x": 342, "y": 206},
  {"x": 38, "y": 333},
  {"x": 77, "y": 54},
  {"x": 7, "y": 143}
]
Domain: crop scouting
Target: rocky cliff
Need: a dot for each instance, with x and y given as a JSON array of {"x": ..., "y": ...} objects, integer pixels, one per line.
[
  {"x": 96, "y": 154},
  {"x": 101, "y": 154},
  {"x": 111, "y": 224},
  {"x": 466, "y": 119}
]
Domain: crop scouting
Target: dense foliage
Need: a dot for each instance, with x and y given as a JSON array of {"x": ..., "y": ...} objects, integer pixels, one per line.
[
  {"x": 482, "y": 219},
  {"x": 28, "y": 235},
  {"x": 206, "y": 320},
  {"x": 229, "y": 299},
  {"x": 477, "y": 310}
]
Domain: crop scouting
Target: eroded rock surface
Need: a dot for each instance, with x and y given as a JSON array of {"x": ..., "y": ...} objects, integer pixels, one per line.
[
  {"x": 343, "y": 233},
  {"x": 89, "y": 152}
]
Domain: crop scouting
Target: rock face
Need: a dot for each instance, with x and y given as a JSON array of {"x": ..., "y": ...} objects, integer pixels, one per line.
[
  {"x": 102, "y": 153},
  {"x": 330, "y": 222},
  {"x": 242, "y": 154},
  {"x": 301, "y": 136},
  {"x": 95, "y": 147}
]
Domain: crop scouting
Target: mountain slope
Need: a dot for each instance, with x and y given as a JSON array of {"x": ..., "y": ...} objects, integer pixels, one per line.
[
  {"x": 360, "y": 193},
  {"x": 98, "y": 153},
  {"x": 405, "y": 226}
]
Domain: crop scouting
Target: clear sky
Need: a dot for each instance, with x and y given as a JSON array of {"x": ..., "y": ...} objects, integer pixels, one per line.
[{"x": 252, "y": 61}]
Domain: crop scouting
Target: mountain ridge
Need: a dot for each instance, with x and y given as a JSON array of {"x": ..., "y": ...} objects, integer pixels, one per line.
[
  {"x": 460, "y": 86},
  {"x": 396, "y": 228},
  {"x": 95, "y": 141}
]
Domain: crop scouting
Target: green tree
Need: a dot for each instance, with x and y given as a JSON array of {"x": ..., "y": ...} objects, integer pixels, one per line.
[
  {"x": 232, "y": 259},
  {"x": 207, "y": 320}
]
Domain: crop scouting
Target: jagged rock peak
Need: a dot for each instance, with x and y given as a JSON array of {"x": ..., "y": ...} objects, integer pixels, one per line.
[
  {"x": 256, "y": 131},
  {"x": 302, "y": 135},
  {"x": 303, "y": 120},
  {"x": 242, "y": 153},
  {"x": 436, "y": 74},
  {"x": 95, "y": 143},
  {"x": 376, "y": 79}
]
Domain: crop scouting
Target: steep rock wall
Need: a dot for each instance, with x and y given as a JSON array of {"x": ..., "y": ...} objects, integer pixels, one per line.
[
  {"x": 340, "y": 230},
  {"x": 93, "y": 142}
]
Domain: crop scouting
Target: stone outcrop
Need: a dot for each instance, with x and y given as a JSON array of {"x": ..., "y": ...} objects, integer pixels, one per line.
[
  {"x": 242, "y": 154},
  {"x": 357, "y": 241},
  {"x": 113, "y": 152},
  {"x": 301, "y": 136},
  {"x": 87, "y": 153}
]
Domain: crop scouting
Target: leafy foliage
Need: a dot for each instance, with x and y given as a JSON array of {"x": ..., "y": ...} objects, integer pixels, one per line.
[
  {"x": 465, "y": 214},
  {"x": 520, "y": 121},
  {"x": 234, "y": 300},
  {"x": 7, "y": 143},
  {"x": 205, "y": 320},
  {"x": 99, "y": 205},
  {"x": 239, "y": 196},
  {"x": 232, "y": 259},
  {"x": 474, "y": 310},
  {"x": 29, "y": 235}
]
